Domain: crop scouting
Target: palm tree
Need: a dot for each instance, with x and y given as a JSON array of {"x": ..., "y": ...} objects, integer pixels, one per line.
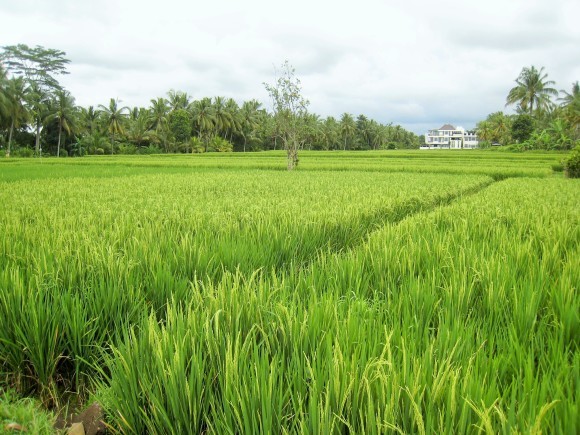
[
  {"x": 249, "y": 119},
  {"x": 62, "y": 110},
  {"x": 222, "y": 118},
  {"x": 363, "y": 127},
  {"x": 114, "y": 118},
  {"x": 14, "y": 97},
  {"x": 571, "y": 109},
  {"x": 532, "y": 90},
  {"x": 347, "y": 127},
  {"x": 235, "y": 125},
  {"x": 330, "y": 132},
  {"x": 177, "y": 100},
  {"x": 203, "y": 116},
  {"x": 89, "y": 119},
  {"x": 138, "y": 132},
  {"x": 312, "y": 129},
  {"x": 569, "y": 98},
  {"x": 379, "y": 135},
  {"x": 159, "y": 118},
  {"x": 37, "y": 102},
  {"x": 496, "y": 128},
  {"x": 93, "y": 141},
  {"x": 3, "y": 94}
]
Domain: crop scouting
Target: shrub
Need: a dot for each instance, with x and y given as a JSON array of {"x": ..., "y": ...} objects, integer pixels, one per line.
[
  {"x": 519, "y": 147},
  {"x": 151, "y": 149},
  {"x": 221, "y": 145},
  {"x": 522, "y": 127},
  {"x": 196, "y": 145},
  {"x": 127, "y": 148},
  {"x": 572, "y": 164},
  {"x": 23, "y": 152},
  {"x": 99, "y": 151}
]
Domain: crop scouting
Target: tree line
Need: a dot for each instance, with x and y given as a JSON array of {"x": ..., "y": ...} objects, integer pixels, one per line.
[
  {"x": 545, "y": 119},
  {"x": 37, "y": 115}
]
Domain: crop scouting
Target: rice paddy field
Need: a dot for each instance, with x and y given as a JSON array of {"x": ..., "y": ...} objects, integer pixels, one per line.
[{"x": 365, "y": 292}]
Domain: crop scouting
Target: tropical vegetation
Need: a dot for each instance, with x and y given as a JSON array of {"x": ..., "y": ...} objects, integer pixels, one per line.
[
  {"x": 37, "y": 114},
  {"x": 541, "y": 122}
]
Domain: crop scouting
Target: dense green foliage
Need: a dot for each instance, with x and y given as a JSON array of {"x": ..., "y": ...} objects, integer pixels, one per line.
[
  {"x": 32, "y": 99},
  {"x": 572, "y": 163},
  {"x": 398, "y": 291},
  {"x": 540, "y": 123}
]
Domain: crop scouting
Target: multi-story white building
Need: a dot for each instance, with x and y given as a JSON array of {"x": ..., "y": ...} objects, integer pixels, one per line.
[{"x": 450, "y": 137}]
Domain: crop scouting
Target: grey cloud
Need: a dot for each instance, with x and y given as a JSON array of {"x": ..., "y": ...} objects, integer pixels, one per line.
[
  {"x": 509, "y": 40},
  {"x": 415, "y": 63}
]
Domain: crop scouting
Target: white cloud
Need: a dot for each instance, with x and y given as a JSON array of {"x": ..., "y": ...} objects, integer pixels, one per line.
[{"x": 417, "y": 63}]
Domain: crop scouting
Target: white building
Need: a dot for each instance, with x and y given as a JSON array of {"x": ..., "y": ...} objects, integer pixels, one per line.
[{"x": 450, "y": 137}]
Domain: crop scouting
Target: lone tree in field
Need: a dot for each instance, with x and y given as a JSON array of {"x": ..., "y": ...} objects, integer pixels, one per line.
[{"x": 290, "y": 109}]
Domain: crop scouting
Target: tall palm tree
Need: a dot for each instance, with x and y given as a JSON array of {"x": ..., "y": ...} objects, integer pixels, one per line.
[
  {"x": 204, "y": 119},
  {"x": 235, "y": 125},
  {"x": 159, "y": 119},
  {"x": 177, "y": 100},
  {"x": 114, "y": 118},
  {"x": 89, "y": 119},
  {"x": 347, "y": 127},
  {"x": 138, "y": 131},
  {"x": 249, "y": 119},
  {"x": 222, "y": 118},
  {"x": 3, "y": 93},
  {"x": 571, "y": 108},
  {"x": 62, "y": 109},
  {"x": 330, "y": 133},
  {"x": 569, "y": 98},
  {"x": 14, "y": 97},
  {"x": 379, "y": 135},
  {"x": 37, "y": 101},
  {"x": 533, "y": 91},
  {"x": 312, "y": 129}
]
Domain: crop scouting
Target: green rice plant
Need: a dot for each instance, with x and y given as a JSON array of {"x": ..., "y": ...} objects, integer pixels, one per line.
[
  {"x": 498, "y": 277},
  {"x": 385, "y": 294},
  {"x": 51, "y": 338},
  {"x": 31, "y": 338}
]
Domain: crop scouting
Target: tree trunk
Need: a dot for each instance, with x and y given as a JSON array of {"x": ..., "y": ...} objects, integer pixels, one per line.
[
  {"x": 292, "y": 153},
  {"x": 290, "y": 162},
  {"x": 59, "y": 135},
  {"x": 10, "y": 138},
  {"x": 37, "y": 144}
]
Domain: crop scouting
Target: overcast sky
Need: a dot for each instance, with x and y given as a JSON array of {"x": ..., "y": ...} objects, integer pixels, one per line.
[{"x": 415, "y": 63}]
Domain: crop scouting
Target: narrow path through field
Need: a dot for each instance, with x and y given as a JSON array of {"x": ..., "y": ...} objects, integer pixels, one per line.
[{"x": 374, "y": 222}]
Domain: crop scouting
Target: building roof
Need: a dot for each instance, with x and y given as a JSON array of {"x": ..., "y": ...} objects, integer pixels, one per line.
[{"x": 447, "y": 127}]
